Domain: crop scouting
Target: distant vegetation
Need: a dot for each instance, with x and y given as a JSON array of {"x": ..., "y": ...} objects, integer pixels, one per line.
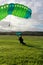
[{"x": 32, "y": 33}]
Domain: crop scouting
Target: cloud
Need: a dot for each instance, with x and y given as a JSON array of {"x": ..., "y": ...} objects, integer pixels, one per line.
[{"x": 19, "y": 24}]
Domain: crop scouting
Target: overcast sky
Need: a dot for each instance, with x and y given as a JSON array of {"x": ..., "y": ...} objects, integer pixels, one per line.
[{"x": 19, "y": 24}]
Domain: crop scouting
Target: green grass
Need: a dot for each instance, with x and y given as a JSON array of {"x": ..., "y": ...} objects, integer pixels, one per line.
[{"x": 14, "y": 53}]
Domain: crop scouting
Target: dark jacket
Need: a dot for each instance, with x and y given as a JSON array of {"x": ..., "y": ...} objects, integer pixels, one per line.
[{"x": 21, "y": 39}]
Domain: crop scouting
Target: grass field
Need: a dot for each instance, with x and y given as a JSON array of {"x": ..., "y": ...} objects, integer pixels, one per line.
[{"x": 14, "y": 53}]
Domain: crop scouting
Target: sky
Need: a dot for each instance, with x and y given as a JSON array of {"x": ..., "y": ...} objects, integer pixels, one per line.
[{"x": 35, "y": 23}]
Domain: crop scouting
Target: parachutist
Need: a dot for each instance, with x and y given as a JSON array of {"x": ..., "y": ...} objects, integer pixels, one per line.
[
  {"x": 9, "y": 25},
  {"x": 21, "y": 40}
]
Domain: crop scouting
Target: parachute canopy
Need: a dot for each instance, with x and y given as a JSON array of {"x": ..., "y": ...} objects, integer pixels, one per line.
[
  {"x": 18, "y": 33},
  {"x": 16, "y": 10}
]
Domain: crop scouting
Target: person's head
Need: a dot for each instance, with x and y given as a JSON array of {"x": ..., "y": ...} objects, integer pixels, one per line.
[{"x": 20, "y": 36}]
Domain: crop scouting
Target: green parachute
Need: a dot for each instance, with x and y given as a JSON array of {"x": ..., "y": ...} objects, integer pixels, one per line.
[{"x": 16, "y": 9}]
